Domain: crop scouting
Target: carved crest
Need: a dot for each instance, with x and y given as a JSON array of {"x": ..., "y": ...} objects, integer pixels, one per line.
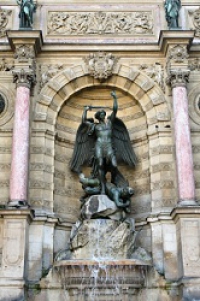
[{"x": 100, "y": 65}]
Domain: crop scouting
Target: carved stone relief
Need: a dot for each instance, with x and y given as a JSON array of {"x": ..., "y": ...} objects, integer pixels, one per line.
[
  {"x": 4, "y": 21},
  {"x": 49, "y": 71},
  {"x": 6, "y": 65},
  {"x": 24, "y": 52},
  {"x": 100, "y": 65},
  {"x": 179, "y": 53},
  {"x": 100, "y": 23},
  {"x": 156, "y": 72},
  {"x": 194, "y": 64},
  {"x": 13, "y": 243},
  {"x": 196, "y": 20}
]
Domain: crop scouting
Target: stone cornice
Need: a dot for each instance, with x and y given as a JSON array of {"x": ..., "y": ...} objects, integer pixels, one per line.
[{"x": 171, "y": 38}]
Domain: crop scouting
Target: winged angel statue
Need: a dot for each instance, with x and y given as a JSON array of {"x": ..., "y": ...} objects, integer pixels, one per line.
[{"x": 102, "y": 145}]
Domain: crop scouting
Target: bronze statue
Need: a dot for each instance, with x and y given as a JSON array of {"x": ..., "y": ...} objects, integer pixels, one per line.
[
  {"x": 101, "y": 146},
  {"x": 172, "y": 8},
  {"x": 27, "y": 8}
]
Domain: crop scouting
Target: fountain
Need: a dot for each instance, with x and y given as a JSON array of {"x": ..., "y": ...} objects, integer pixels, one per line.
[{"x": 101, "y": 261}]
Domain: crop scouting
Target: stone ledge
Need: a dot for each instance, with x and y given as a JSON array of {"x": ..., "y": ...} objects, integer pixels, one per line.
[{"x": 185, "y": 212}]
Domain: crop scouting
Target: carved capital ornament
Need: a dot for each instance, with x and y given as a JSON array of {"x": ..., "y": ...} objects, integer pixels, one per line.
[
  {"x": 178, "y": 78},
  {"x": 25, "y": 78}
]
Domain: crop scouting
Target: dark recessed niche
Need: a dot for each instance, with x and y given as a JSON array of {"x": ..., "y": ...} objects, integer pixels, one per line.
[
  {"x": 2, "y": 104},
  {"x": 198, "y": 104}
]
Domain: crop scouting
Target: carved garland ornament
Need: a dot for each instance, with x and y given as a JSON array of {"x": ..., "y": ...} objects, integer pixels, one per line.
[{"x": 100, "y": 23}]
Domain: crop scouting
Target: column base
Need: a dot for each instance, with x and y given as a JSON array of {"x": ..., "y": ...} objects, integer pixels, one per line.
[
  {"x": 11, "y": 289},
  {"x": 17, "y": 204},
  {"x": 185, "y": 203}
]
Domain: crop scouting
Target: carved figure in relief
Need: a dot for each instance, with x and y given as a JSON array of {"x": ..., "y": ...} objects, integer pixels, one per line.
[
  {"x": 196, "y": 20},
  {"x": 101, "y": 146},
  {"x": 172, "y": 8},
  {"x": 27, "y": 8},
  {"x": 4, "y": 21}
]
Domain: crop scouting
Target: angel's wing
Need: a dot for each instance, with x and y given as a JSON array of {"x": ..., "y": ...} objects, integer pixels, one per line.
[
  {"x": 83, "y": 153},
  {"x": 122, "y": 144}
]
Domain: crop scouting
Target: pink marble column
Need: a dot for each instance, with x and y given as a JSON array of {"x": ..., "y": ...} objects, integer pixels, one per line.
[
  {"x": 20, "y": 144},
  {"x": 184, "y": 159},
  {"x": 20, "y": 148}
]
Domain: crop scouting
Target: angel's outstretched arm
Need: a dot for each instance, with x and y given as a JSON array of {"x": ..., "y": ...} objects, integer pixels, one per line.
[
  {"x": 115, "y": 105},
  {"x": 84, "y": 116}
]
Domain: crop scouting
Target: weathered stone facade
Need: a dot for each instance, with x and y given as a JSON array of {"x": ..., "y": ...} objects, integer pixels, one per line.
[{"x": 74, "y": 56}]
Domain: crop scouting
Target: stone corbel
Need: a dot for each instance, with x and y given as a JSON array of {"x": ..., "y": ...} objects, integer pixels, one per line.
[{"x": 29, "y": 39}]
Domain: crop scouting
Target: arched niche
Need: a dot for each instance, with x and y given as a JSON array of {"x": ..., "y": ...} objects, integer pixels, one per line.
[{"x": 58, "y": 113}]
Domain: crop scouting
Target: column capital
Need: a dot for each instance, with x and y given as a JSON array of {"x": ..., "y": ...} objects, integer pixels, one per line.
[
  {"x": 178, "y": 77},
  {"x": 24, "y": 78},
  {"x": 177, "y": 66},
  {"x": 26, "y": 44}
]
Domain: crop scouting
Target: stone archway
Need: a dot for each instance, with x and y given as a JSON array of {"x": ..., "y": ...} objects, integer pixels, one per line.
[
  {"x": 72, "y": 81},
  {"x": 76, "y": 78}
]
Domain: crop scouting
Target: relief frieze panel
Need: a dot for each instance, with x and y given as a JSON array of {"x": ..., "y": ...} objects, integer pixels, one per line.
[{"x": 100, "y": 23}]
